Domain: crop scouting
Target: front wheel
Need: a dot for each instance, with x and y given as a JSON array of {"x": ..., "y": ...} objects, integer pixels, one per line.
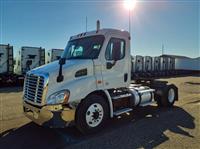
[{"x": 92, "y": 114}]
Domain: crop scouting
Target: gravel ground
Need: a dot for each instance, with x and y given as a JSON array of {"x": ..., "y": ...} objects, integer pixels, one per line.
[{"x": 148, "y": 127}]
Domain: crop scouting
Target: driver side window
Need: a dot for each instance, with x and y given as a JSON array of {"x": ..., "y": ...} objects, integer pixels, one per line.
[
  {"x": 77, "y": 51},
  {"x": 115, "y": 49}
]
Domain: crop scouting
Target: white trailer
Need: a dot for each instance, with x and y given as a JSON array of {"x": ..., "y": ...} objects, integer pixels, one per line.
[
  {"x": 6, "y": 63},
  {"x": 164, "y": 60},
  {"x": 182, "y": 64},
  {"x": 54, "y": 54},
  {"x": 148, "y": 63},
  {"x": 185, "y": 64},
  {"x": 171, "y": 66},
  {"x": 137, "y": 66},
  {"x": 29, "y": 58},
  {"x": 148, "y": 66},
  {"x": 163, "y": 63},
  {"x": 156, "y": 64},
  {"x": 88, "y": 88}
]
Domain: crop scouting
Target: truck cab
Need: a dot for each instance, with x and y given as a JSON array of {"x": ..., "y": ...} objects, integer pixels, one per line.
[{"x": 89, "y": 84}]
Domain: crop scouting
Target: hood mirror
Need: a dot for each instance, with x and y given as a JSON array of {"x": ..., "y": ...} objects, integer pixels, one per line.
[
  {"x": 60, "y": 75},
  {"x": 62, "y": 61}
]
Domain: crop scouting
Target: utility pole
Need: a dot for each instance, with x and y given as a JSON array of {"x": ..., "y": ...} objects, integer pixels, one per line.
[{"x": 129, "y": 22}]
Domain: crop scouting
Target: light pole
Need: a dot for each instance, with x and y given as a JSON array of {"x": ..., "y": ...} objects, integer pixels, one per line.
[
  {"x": 129, "y": 4},
  {"x": 129, "y": 11}
]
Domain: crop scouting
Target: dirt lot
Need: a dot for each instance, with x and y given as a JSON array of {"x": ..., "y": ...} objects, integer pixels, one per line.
[{"x": 148, "y": 127}]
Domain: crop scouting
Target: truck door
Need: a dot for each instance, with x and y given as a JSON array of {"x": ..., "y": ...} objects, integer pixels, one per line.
[{"x": 117, "y": 62}]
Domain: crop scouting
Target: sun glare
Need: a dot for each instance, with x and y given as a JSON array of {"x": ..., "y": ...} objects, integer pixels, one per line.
[{"x": 129, "y": 4}]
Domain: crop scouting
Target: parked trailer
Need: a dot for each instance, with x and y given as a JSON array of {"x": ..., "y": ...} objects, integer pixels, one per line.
[
  {"x": 29, "y": 58},
  {"x": 156, "y": 66},
  {"x": 148, "y": 66},
  {"x": 6, "y": 59},
  {"x": 164, "y": 65},
  {"x": 138, "y": 66},
  {"x": 54, "y": 54},
  {"x": 185, "y": 65},
  {"x": 171, "y": 66},
  {"x": 6, "y": 63}
]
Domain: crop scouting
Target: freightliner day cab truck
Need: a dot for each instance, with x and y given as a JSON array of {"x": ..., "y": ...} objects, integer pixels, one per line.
[{"x": 90, "y": 84}]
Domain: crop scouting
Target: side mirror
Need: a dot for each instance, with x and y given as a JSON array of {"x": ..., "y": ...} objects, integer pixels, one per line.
[
  {"x": 62, "y": 61},
  {"x": 60, "y": 75}
]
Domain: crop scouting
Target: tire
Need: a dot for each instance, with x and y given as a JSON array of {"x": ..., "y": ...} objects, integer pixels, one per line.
[
  {"x": 166, "y": 95},
  {"x": 91, "y": 114}
]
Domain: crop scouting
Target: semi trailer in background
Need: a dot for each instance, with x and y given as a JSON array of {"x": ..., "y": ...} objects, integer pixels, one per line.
[
  {"x": 171, "y": 66},
  {"x": 164, "y": 65},
  {"x": 148, "y": 66},
  {"x": 29, "y": 58},
  {"x": 6, "y": 63},
  {"x": 156, "y": 66},
  {"x": 54, "y": 54},
  {"x": 182, "y": 65},
  {"x": 187, "y": 65},
  {"x": 137, "y": 63}
]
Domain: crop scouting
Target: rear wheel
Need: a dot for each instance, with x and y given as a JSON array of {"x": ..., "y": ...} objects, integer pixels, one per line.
[
  {"x": 92, "y": 114},
  {"x": 166, "y": 95}
]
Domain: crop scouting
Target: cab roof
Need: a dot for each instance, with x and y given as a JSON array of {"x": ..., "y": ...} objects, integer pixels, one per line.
[{"x": 101, "y": 32}]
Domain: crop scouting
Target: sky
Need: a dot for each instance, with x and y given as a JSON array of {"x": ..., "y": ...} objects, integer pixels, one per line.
[{"x": 50, "y": 23}]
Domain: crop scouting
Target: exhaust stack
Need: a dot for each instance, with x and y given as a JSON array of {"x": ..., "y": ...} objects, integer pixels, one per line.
[{"x": 98, "y": 25}]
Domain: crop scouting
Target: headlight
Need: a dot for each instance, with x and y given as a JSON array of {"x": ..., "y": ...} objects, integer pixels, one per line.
[{"x": 60, "y": 97}]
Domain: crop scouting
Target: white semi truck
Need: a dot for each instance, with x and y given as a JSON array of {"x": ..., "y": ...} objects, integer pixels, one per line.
[{"x": 90, "y": 84}]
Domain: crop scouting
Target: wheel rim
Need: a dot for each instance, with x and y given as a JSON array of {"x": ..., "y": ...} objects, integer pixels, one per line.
[
  {"x": 171, "y": 95},
  {"x": 94, "y": 115}
]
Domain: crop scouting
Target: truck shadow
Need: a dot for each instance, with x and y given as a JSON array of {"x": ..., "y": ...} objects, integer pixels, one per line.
[
  {"x": 10, "y": 89},
  {"x": 144, "y": 127}
]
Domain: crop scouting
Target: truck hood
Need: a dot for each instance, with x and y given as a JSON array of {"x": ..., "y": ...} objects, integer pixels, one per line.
[
  {"x": 79, "y": 84},
  {"x": 68, "y": 69}
]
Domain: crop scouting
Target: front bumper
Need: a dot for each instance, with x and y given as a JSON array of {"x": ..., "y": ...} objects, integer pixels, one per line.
[{"x": 54, "y": 116}]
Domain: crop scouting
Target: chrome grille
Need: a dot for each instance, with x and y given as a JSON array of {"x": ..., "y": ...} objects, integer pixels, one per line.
[{"x": 33, "y": 88}]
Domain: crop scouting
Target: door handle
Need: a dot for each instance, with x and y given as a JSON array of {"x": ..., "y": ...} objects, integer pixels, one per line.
[{"x": 125, "y": 77}]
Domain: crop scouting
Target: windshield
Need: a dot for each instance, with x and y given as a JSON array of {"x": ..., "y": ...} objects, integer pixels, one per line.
[{"x": 84, "y": 48}]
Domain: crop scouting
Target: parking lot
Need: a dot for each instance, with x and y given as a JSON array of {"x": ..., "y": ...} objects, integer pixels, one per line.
[{"x": 147, "y": 127}]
